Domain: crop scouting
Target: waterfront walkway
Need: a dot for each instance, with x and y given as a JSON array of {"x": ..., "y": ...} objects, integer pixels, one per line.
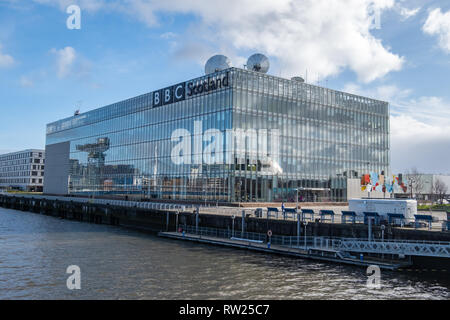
[
  {"x": 335, "y": 249},
  {"x": 315, "y": 253}
]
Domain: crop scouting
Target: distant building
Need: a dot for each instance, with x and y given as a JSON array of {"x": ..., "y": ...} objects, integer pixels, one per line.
[
  {"x": 422, "y": 186},
  {"x": 22, "y": 170}
]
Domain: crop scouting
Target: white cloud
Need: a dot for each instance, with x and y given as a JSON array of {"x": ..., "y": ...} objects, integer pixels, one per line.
[
  {"x": 325, "y": 37},
  {"x": 406, "y": 127},
  {"x": 5, "y": 59},
  {"x": 431, "y": 110},
  {"x": 438, "y": 24},
  {"x": 321, "y": 36},
  {"x": 387, "y": 93},
  {"x": 65, "y": 58},
  {"x": 418, "y": 144},
  {"x": 26, "y": 82},
  {"x": 168, "y": 35},
  {"x": 426, "y": 109},
  {"x": 193, "y": 51},
  {"x": 407, "y": 13}
]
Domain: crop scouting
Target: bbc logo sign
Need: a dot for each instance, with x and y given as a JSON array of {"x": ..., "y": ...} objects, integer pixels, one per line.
[{"x": 169, "y": 95}]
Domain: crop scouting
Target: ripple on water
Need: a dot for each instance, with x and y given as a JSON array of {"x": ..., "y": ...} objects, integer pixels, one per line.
[{"x": 117, "y": 263}]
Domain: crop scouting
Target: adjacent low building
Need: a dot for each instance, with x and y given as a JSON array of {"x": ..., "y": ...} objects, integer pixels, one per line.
[
  {"x": 231, "y": 135},
  {"x": 22, "y": 170},
  {"x": 428, "y": 187}
]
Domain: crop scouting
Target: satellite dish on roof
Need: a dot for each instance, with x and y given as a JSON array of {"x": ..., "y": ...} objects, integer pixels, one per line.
[
  {"x": 299, "y": 79},
  {"x": 258, "y": 62},
  {"x": 217, "y": 63}
]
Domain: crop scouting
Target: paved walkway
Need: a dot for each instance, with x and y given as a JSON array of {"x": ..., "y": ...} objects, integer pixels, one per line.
[{"x": 229, "y": 211}]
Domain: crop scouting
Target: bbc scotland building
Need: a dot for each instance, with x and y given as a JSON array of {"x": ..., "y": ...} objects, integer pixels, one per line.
[{"x": 231, "y": 135}]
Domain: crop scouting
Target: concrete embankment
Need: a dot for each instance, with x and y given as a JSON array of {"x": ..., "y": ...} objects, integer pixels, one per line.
[{"x": 155, "y": 220}]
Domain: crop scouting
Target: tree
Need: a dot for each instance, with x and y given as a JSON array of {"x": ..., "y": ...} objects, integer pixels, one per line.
[
  {"x": 439, "y": 189},
  {"x": 415, "y": 181}
]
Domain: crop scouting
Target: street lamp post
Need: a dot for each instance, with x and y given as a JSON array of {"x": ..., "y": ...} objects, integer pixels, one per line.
[
  {"x": 243, "y": 224},
  {"x": 306, "y": 223},
  {"x": 196, "y": 220},
  {"x": 240, "y": 192},
  {"x": 382, "y": 237},
  {"x": 204, "y": 191},
  {"x": 411, "y": 182},
  {"x": 232, "y": 228}
]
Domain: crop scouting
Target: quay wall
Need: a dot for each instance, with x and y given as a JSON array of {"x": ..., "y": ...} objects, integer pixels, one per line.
[{"x": 154, "y": 220}]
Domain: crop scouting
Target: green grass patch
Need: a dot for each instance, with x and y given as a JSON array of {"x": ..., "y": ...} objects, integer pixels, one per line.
[
  {"x": 435, "y": 207},
  {"x": 24, "y": 192}
]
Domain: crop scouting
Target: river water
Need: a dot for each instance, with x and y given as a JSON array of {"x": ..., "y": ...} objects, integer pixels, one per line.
[{"x": 117, "y": 263}]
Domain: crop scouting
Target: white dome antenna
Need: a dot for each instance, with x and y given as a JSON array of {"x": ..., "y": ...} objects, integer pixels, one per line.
[
  {"x": 217, "y": 63},
  {"x": 258, "y": 62}
]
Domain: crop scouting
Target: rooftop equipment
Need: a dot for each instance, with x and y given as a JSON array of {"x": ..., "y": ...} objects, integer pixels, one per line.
[
  {"x": 217, "y": 63},
  {"x": 258, "y": 62},
  {"x": 298, "y": 79}
]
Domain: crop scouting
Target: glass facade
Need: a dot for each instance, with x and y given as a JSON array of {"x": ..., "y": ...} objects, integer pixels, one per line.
[{"x": 235, "y": 135}]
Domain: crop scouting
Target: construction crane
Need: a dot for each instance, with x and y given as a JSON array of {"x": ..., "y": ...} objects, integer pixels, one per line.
[
  {"x": 96, "y": 161},
  {"x": 96, "y": 151}
]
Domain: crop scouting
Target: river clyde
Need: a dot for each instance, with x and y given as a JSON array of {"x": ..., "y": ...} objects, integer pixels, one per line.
[{"x": 118, "y": 263}]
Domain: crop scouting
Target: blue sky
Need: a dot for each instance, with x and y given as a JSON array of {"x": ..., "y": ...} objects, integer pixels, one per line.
[{"x": 125, "y": 48}]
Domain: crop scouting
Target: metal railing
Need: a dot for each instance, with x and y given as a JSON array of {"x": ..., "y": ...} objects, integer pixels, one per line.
[
  {"x": 121, "y": 203},
  {"x": 400, "y": 247},
  {"x": 288, "y": 241},
  {"x": 410, "y": 248}
]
